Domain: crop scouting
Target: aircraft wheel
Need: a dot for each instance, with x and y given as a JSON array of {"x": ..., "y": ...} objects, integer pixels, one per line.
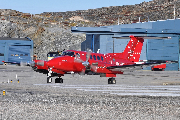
[
  {"x": 57, "y": 80},
  {"x": 61, "y": 80},
  {"x": 113, "y": 81},
  {"x": 109, "y": 81},
  {"x": 49, "y": 79}
]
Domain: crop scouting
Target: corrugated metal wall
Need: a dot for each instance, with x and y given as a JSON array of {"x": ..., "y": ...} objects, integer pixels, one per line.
[
  {"x": 167, "y": 49},
  {"x": 19, "y": 53},
  {"x": 16, "y": 50},
  {"x": 92, "y": 42}
]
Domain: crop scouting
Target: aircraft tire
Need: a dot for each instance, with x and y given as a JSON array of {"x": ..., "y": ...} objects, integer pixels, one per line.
[
  {"x": 57, "y": 80},
  {"x": 49, "y": 79},
  {"x": 113, "y": 81},
  {"x": 110, "y": 81},
  {"x": 61, "y": 80}
]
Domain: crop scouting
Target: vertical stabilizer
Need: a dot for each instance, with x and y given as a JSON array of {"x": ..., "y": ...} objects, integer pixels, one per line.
[{"x": 133, "y": 49}]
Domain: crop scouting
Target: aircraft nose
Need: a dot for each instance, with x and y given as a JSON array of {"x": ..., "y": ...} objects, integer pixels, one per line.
[
  {"x": 50, "y": 63},
  {"x": 53, "y": 63},
  {"x": 47, "y": 63}
]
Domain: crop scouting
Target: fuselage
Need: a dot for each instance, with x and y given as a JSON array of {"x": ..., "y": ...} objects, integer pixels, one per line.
[{"x": 72, "y": 60}]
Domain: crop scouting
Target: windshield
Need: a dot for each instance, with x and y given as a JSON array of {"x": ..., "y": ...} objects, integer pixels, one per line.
[
  {"x": 68, "y": 53},
  {"x": 53, "y": 54}
]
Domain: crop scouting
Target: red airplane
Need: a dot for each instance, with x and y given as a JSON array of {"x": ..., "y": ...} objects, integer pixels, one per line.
[{"x": 107, "y": 65}]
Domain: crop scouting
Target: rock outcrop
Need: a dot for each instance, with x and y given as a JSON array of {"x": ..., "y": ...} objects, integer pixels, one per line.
[{"x": 51, "y": 31}]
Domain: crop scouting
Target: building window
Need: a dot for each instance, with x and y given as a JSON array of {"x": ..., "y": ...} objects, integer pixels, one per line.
[{"x": 1, "y": 54}]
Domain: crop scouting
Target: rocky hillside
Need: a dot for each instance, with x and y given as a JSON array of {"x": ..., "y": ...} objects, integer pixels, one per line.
[{"x": 51, "y": 31}]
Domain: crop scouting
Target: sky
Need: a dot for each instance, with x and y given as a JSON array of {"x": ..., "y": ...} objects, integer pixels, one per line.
[{"x": 40, "y": 6}]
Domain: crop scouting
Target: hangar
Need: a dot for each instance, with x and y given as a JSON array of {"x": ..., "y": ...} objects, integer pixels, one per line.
[
  {"x": 16, "y": 50},
  {"x": 100, "y": 39}
]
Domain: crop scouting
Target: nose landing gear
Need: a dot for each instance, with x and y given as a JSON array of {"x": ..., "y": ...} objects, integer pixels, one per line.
[
  {"x": 49, "y": 79},
  {"x": 51, "y": 74}
]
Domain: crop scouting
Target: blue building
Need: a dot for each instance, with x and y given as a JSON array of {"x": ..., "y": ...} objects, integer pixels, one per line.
[
  {"x": 100, "y": 39},
  {"x": 16, "y": 50}
]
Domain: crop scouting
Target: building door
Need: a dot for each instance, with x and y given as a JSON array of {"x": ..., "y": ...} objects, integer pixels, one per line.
[
  {"x": 2, "y": 53},
  {"x": 19, "y": 53}
]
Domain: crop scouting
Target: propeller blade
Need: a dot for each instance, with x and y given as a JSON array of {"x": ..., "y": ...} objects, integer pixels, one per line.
[
  {"x": 88, "y": 54},
  {"x": 82, "y": 72},
  {"x": 40, "y": 63},
  {"x": 94, "y": 67},
  {"x": 23, "y": 63},
  {"x": 78, "y": 60},
  {"x": 86, "y": 63},
  {"x": 32, "y": 63}
]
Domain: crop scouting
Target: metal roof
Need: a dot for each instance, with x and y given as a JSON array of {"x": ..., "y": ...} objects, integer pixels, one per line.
[
  {"x": 158, "y": 27},
  {"x": 6, "y": 38}
]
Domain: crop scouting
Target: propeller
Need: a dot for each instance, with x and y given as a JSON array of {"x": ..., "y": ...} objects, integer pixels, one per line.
[
  {"x": 94, "y": 66},
  {"x": 28, "y": 63},
  {"x": 86, "y": 63},
  {"x": 40, "y": 63}
]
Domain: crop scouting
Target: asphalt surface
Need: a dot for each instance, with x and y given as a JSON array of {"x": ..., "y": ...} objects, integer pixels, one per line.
[{"x": 136, "y": 95}]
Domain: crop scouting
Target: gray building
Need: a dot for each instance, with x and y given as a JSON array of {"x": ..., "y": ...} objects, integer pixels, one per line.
[
  {"x": 16, "y": 50},
  {"x": 101, "y": 39}
]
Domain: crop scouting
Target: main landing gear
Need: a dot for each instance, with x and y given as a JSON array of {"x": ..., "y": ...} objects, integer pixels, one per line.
[
  {"x": 111, "y": 81},
  {"x": 57, "y": 80}
]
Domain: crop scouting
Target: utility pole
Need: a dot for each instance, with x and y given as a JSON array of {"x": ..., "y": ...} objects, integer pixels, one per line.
[
  {"x": 174, "y": 9},
  {"x": 118, "y": 20}
]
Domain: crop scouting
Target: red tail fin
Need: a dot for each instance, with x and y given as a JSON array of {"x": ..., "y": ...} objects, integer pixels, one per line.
[{"x": 133, "y": 49}]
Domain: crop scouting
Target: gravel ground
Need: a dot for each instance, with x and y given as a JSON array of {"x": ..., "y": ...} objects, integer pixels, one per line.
[{"x": 32, "y": 98}]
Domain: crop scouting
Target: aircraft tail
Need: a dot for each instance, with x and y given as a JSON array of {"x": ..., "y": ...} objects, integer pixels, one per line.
[{"x": 133, "y": 49}]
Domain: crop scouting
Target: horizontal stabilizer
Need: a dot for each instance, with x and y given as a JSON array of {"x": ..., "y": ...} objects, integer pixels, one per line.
[
  {"x": 142, "y": 37},
  {"x": 132, "y": 67}
]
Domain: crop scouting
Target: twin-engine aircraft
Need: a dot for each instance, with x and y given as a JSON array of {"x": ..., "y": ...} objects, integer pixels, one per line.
[{"x": 107, "y": 65}]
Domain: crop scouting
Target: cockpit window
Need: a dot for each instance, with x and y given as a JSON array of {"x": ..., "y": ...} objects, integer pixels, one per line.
[
  {"x": 68, "y": 53},
  {"x": 77, "y": 55}
]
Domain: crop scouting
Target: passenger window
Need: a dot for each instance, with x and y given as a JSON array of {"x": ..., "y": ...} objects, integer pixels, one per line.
[
  {"x": 94, "y": 57},
  {"x": 98, "y": 57},
  {"x": 102, "y": 58},
  {"x": 91, "y": 57}
]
